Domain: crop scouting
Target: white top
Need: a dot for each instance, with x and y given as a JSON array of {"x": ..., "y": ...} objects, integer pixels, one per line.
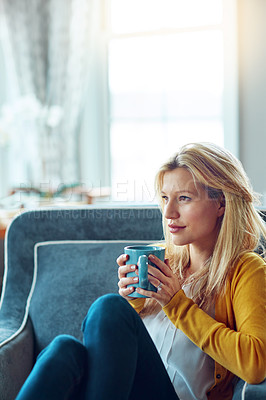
[{"x": 190, "y": 369}]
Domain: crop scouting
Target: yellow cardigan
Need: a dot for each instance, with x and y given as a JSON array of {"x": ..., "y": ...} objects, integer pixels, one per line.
[{"x": 236, "y": 338}]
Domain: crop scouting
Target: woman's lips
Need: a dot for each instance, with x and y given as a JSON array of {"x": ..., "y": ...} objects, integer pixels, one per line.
[{"x": 175, "y": 228}]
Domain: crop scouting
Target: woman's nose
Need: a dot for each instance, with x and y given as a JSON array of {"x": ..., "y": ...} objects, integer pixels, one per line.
[{"x": 171, "y": 211}]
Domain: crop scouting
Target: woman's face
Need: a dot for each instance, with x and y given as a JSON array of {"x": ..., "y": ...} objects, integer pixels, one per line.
[{"x": 192, "y": 216}]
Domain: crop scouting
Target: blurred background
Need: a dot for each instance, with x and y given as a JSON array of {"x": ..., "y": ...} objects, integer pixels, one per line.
[{"x": 96, "y": 94}]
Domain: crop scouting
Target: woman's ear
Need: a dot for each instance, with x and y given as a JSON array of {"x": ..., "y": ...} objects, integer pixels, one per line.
[{"x": 221, "y": 208}]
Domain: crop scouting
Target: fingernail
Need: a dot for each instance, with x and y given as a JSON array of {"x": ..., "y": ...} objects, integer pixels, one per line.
[
  {"x": 135, "y": 279},
  {"x": 133, "y": 267},
  {"x": 151, "y": 257}
]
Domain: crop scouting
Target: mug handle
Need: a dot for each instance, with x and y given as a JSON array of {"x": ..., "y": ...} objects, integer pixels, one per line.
[{"x": 143, "y": 272}]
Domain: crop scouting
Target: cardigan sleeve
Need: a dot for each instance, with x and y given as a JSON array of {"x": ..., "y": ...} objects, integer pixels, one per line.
[{"x": 239, "y": 348}]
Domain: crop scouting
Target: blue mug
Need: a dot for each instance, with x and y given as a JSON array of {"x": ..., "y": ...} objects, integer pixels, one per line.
[{"x": 138, "y": 255}]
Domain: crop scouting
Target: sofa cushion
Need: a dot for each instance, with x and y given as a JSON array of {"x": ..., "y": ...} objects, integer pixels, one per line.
[{"x": 68, "y": 277}]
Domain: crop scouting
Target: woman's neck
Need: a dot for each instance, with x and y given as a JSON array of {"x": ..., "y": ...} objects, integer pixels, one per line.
[{"x": 198, "y": 259}]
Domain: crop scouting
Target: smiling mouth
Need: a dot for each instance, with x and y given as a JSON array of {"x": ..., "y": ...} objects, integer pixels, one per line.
[{"x": 175, "y": 228}]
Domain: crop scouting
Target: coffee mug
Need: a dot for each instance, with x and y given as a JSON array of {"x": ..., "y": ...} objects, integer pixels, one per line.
[{"x": 138, "y": 255}]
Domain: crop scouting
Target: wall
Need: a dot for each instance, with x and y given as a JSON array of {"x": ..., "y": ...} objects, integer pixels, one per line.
[{"x": 252, "y": 90}]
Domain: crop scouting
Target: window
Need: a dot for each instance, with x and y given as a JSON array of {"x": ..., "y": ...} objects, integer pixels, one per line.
[
  {"x": 168, "y": 77},
  {"x": 166, "y": 83}
]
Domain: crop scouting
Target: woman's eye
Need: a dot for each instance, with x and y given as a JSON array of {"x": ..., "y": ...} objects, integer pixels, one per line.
[
  {"x": 184, "y": 198},
  {"x": 164, "y": 198}
]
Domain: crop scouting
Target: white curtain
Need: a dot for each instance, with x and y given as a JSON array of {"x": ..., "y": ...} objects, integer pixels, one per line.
[{"x": 50, "y": 43}]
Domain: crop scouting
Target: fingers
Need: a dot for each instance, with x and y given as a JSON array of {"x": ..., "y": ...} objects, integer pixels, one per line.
[
  {"x": 121, "y": 260},
  {"x": 162, "y": 296},
  {"x": 166, "y": 282},
  {"x": 163, "y": 266},
  {"x": 125, "y": 280},
  {"x": 154, "y": 281},
  {"x": 125, "y": 269},
  {"x": 156, "y": 276},
  {"x": 149, "y": 293},
  {"x": 124, "y": 289},
  {"x": 126, "y": 292}
]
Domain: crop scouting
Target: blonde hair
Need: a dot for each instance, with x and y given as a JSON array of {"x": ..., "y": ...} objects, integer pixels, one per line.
[{"x": 242, "y": 228}]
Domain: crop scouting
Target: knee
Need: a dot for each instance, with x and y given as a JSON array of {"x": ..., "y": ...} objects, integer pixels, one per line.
[
  {"x": 64, "y": 358},
  {"x": 109, "y": 302},
  {"x": 66, "y": 348},
  {"x": 108, "y": 308}
]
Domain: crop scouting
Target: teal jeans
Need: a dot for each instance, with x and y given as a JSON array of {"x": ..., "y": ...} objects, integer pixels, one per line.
[{"x": 117, "y": 360}]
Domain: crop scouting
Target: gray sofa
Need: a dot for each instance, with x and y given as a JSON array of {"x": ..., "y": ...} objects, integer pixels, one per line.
[{"x": 57, "y": 262}]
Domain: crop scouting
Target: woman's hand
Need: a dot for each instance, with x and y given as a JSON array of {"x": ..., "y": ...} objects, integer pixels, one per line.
[
  {"x": 164, "y": 279},
  {"x": 123, "y": 270}
]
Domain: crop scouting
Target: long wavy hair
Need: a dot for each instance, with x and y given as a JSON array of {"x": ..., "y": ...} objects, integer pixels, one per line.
[{"x": 242, "y": 229}]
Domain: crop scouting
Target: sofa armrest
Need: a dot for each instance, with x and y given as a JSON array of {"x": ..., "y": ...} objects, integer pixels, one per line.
[
  {"x": 16, "y": 362},
  {"x": 245, "y": 391}
]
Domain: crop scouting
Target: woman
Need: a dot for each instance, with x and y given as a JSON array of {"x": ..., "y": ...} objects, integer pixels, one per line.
[
  {"x": 205, "y": 321},
  {"x": 211, "y": 229}
]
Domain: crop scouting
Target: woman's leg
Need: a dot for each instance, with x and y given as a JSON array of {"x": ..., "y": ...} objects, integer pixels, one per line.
[
  {"x": 58, "y": 371},
  {"x": 123, "y": 362}
]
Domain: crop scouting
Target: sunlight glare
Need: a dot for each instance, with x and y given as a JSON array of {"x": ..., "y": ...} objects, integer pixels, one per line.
[{"x": 147, "y": 15}]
